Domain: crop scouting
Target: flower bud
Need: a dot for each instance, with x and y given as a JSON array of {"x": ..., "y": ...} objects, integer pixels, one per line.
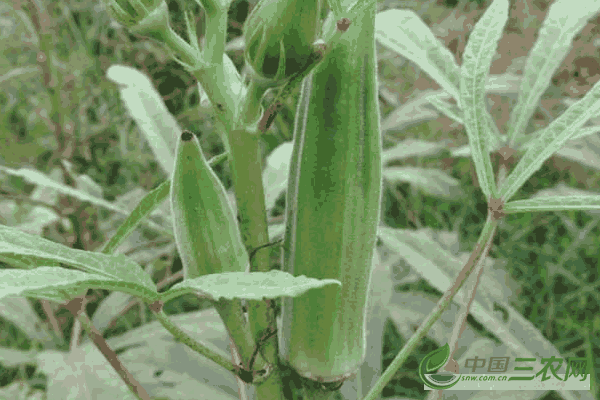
[
  {"x": 279, "y": 37},
  {"x": 145, "y": 17}
]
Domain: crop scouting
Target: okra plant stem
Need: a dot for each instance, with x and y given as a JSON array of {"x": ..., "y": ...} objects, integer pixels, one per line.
[
  {"x": 246, "y": 167},
  {"x": 197, "y": 346},
  {"x": 77, "y": 308},
  {"x": 481, "y": 250}
]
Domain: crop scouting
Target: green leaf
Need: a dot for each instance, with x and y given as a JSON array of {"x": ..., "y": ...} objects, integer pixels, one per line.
[
  {"x": 20, "y": 312},
  {"x": 412, "y": 148},
  {"x": 43, "y": 280},
  {"x": 145, "y": 207},
  {"x": 247, "y": 285},
  {"x": 582, "y": 147},
  {"x": 553, "y": 203},
  {"x": 554, "y": 41},
  {"x": 25, "y": 262},
  {"x": 117, "y": 268},
  {"x": 39, "y": 178},
  {"x": 477, "y": 59},
  {"x": 450, "y": 110},
  {"x": 148, "y": 110},
  {"x": 432, "y": 181},
  {"x": 404, "y": 32},
  {"x": 551, "y": 139}
]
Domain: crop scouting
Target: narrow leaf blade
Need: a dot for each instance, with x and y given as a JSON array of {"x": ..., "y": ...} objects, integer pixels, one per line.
[
  {"x": 551, "y": 139},
  {"x": 116, "y": 267},
  {"x": 43, "y": 280},
  {"x": 477, "y": 59},
  {"x": 554, "y": 41},
  {"x": 149, "y": 112},
  {"x": 248, "y": 285},
  {"x": 38, "y": 178},
  {"x": 405, "y": 33},
  {"x": 553, "y": 203},
  {"x": 145, "y": 207}
]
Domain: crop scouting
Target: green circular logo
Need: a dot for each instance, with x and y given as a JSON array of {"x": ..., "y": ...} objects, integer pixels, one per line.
[{"x": 431, "y": 363}]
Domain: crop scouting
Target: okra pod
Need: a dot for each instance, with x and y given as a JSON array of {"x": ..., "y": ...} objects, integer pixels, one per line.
[
  {"x": 332, "y": 208},
  {"x": 205, "y": 227}
]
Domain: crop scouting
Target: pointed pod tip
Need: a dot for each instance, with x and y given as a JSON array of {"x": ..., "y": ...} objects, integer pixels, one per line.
[{"x": 186, "y": 136}]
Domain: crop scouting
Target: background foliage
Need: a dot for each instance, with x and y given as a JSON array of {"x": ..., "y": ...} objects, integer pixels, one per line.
[{"x": 549, "y": 261}]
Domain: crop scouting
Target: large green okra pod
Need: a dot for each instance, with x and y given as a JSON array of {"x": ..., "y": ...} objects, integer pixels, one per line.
[{"x": 332, "y": 208}]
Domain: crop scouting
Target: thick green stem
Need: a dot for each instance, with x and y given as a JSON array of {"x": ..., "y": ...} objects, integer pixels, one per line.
[
  {"x": 187, "y": 53},
  {"x": 214, "y": 36},
  {"x": 223, "y": 85},
  {"x": 246, "y": 165}
]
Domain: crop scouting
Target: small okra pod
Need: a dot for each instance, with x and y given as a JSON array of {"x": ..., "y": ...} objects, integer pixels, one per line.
[{"x": 205, "y": 226}]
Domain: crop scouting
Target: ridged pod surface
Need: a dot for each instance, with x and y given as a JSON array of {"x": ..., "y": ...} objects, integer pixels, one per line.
[
  {"x": 332, "y": 208},
  {"x": 205, "y": 226}
]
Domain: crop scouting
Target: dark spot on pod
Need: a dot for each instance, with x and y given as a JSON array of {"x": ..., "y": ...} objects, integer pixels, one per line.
[{"x": 343, "y": 24}]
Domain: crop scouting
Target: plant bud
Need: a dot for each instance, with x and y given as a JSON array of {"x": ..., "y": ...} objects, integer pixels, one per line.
[
  {"x": 145, "y": 17},
  {"x": 279, "y": 37}
]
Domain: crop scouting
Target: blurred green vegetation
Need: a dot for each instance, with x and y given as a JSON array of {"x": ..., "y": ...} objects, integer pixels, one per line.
[{"x": 553, "y": 256}]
